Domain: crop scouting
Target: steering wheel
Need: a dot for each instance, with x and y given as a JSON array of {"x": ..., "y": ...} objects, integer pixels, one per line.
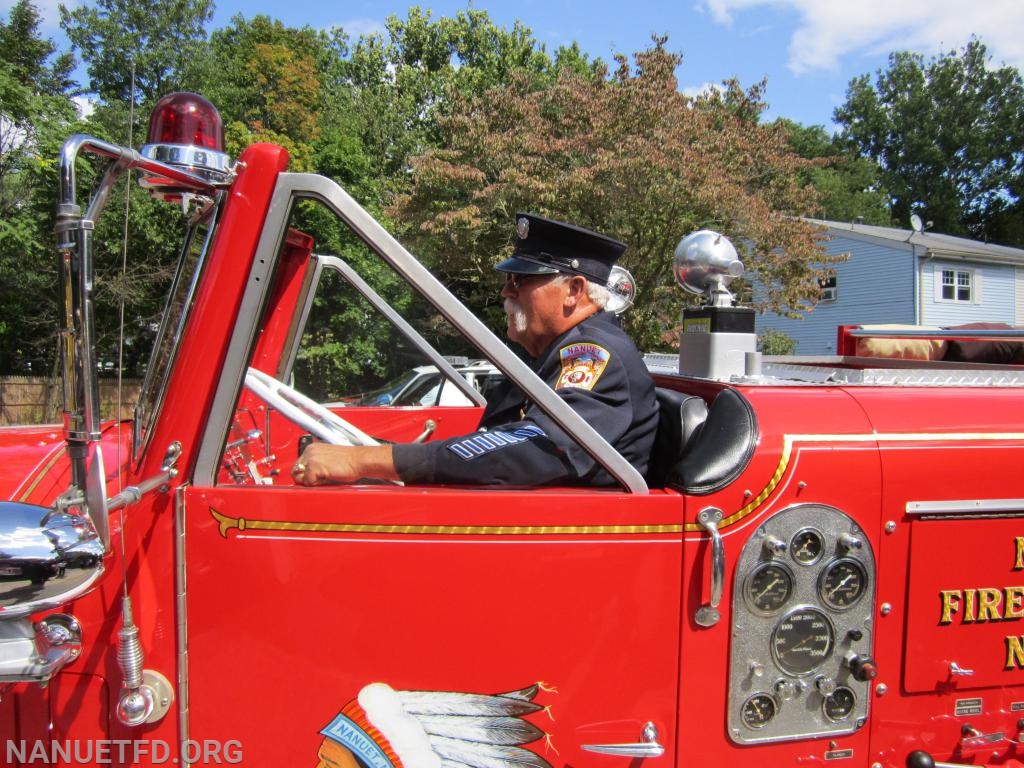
[{"x": 304, "y": 412}]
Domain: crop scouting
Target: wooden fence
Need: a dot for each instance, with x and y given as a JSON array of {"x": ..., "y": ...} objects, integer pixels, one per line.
[{"x": 38, "y": 399}]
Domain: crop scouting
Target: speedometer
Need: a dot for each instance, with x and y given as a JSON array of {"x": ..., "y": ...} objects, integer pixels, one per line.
[{"x": 802, "y": 641}]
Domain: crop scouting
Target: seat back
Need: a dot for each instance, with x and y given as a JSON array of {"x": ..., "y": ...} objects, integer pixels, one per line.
[
  {"x": 679, "y": 417},
  {"x": 720, "y": 450},
  {"x": 697, "y": 449}
]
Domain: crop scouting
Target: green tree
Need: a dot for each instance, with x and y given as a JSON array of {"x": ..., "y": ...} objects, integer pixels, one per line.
[
  {"x": 383, "y": 96},
  {"x": 773, "y": 342},
  {"x": 137, "y": 50},
  {"x": 404, "y": 81},
  {"x": 849, "y": 185},
  {"x": 949, "y": 139},
  {"x": 267, "y": 81},
  {"x": 627, "y": 154},
  {"x": 36, "y": 114}
]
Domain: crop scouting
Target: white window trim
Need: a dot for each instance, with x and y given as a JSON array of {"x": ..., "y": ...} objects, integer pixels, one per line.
[{"x": 974, "y": 276}]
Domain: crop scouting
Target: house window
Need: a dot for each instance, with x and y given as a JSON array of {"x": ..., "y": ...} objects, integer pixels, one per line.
[
  {"x": 957, "y": 285},
  {"x": 829, "y": 289}
]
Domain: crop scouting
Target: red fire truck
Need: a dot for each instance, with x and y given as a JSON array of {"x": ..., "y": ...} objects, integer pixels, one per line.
[{"x": 825, "y": 565}]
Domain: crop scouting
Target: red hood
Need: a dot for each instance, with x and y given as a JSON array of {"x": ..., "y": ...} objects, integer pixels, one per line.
[{"x": 34, "y": 465}]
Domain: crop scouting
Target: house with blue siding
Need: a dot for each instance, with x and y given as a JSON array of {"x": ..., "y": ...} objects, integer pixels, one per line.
[{"x": 906, "y": 277}]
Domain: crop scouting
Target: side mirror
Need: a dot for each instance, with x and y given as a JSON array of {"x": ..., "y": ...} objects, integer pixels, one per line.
[{"x": 47, "y": 557}]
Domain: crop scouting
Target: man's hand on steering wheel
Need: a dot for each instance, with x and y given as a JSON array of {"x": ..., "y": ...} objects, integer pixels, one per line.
[{"x": 323, "y": 464}]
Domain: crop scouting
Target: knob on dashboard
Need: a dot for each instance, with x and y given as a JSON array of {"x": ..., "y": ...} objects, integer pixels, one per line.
[
  {"x": 774, "y": 546},
  {"x": 826, "y": 685},
  {"x": 785, "y": 690},
  {"x": 848, "y": 542},
  {"x": 863, "y": 668}
]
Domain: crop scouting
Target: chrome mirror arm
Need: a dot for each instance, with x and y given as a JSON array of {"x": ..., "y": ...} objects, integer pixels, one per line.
[{"x": 133, "y": 493}]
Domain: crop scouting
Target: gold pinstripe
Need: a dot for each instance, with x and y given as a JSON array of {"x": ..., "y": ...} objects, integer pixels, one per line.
[
  {"x": 789, "y": 443},
  {"x": 226, "y": 523},
  {"x": 43, "y": 472}
]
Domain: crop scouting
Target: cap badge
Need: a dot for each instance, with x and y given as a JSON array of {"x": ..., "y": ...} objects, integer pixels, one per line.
[
  {"x": 575, "y": 263},
  {"x": 523, "y": 227}
]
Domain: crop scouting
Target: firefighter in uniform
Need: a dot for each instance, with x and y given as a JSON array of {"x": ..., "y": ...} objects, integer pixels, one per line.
[{"x": 554, "y": 295}]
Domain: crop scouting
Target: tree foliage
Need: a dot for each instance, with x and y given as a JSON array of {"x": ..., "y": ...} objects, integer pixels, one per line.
[
  {"x": 849, "y": 185},
  {"x": 624, "y": 152},
  {"x": 445, "y": 127},
  {"x": 137, "y": 49},
  {"x": 948, "y": 137},
  {"x": 384, "y": 97},
  {"x": 267, "y": 81},
  {"x": 36, "y": 115}
]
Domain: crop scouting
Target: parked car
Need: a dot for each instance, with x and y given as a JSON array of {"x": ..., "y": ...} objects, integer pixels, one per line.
[{"x": 425, "y": 385}]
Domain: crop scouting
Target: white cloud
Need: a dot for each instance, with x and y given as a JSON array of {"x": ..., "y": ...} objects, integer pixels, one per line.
[
  {"x": 693, "y": 91},
  {"x": 85, "y": 106},
  {"x": 826, "y": 32},
  {"x": 356, "y": 28}
]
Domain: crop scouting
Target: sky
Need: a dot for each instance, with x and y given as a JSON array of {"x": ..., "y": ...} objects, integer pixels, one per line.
[{"x": 808, "y": 50}]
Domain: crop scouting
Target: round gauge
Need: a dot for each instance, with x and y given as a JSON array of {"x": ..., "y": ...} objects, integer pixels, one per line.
[
  {"x": 807, "y": 546},
  {"x": 768, "y": 588},
  {"x": 758, "y": 710},
  {"x": 843, "y": 583},
  {"x": 840, "y": 704},
  {"x": 803, "y": 640}
]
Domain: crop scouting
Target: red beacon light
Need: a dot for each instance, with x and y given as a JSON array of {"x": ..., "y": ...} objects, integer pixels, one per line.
[{"x": 185, "y": 131}]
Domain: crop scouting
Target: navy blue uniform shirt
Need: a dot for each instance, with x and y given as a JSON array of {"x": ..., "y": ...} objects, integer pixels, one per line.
[{"x": 598, "y": 371}]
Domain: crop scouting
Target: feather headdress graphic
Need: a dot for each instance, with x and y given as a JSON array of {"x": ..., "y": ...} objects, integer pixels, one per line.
[{"x": 385, "y": 728}]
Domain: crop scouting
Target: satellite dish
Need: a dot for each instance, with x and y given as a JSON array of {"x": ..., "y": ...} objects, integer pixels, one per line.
[{"x": 916, "y": 224}]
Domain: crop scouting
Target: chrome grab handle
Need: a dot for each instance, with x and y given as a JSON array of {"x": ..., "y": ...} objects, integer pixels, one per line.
[
  {"x": 648, "y": 746},
  {"x": 626, "y": 750},
  {"x": 708, "y": 615}
]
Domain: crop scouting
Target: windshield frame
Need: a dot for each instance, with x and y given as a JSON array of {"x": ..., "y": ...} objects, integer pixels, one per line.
[{"x": 180, "y": 299}]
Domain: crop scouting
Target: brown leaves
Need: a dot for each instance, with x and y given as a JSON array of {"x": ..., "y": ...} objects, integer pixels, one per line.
[{"x": 630, "y": 156}]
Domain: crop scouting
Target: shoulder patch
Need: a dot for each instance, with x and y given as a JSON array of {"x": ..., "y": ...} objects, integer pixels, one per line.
[{"x": 582, "y": 365}]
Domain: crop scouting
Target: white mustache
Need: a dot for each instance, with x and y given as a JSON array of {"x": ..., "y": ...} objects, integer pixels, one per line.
[{"x": 516, "y": 315}]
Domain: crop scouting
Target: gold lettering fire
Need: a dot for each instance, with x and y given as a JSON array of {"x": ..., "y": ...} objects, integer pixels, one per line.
[{"x": 977, "y": 605}]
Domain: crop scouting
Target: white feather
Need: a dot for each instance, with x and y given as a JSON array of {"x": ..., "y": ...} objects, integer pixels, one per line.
[
  {"x": 478, "y": 755},
  {"x": 447, "y": 703},
  {"x": 488, "y": 730}
]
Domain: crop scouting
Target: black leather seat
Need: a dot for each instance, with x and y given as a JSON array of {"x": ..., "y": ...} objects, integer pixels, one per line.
[
  {"x": 679, "y": 417},
  {"x": 699, "y": 450}
]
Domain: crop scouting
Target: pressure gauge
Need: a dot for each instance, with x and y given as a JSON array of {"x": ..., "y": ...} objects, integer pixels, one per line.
[
  {"x": 840, "y": 704},
  {"x": 807, "y": 546},
  {"x": 768, "y": 588},
  {"x": 803, "y": 640},
  {"x": 843, "y": 583},
  {"x": 758, "y": 710}
]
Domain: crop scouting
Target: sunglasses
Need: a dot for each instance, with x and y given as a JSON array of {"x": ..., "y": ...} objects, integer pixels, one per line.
[{"x": 517, "y": 281}]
